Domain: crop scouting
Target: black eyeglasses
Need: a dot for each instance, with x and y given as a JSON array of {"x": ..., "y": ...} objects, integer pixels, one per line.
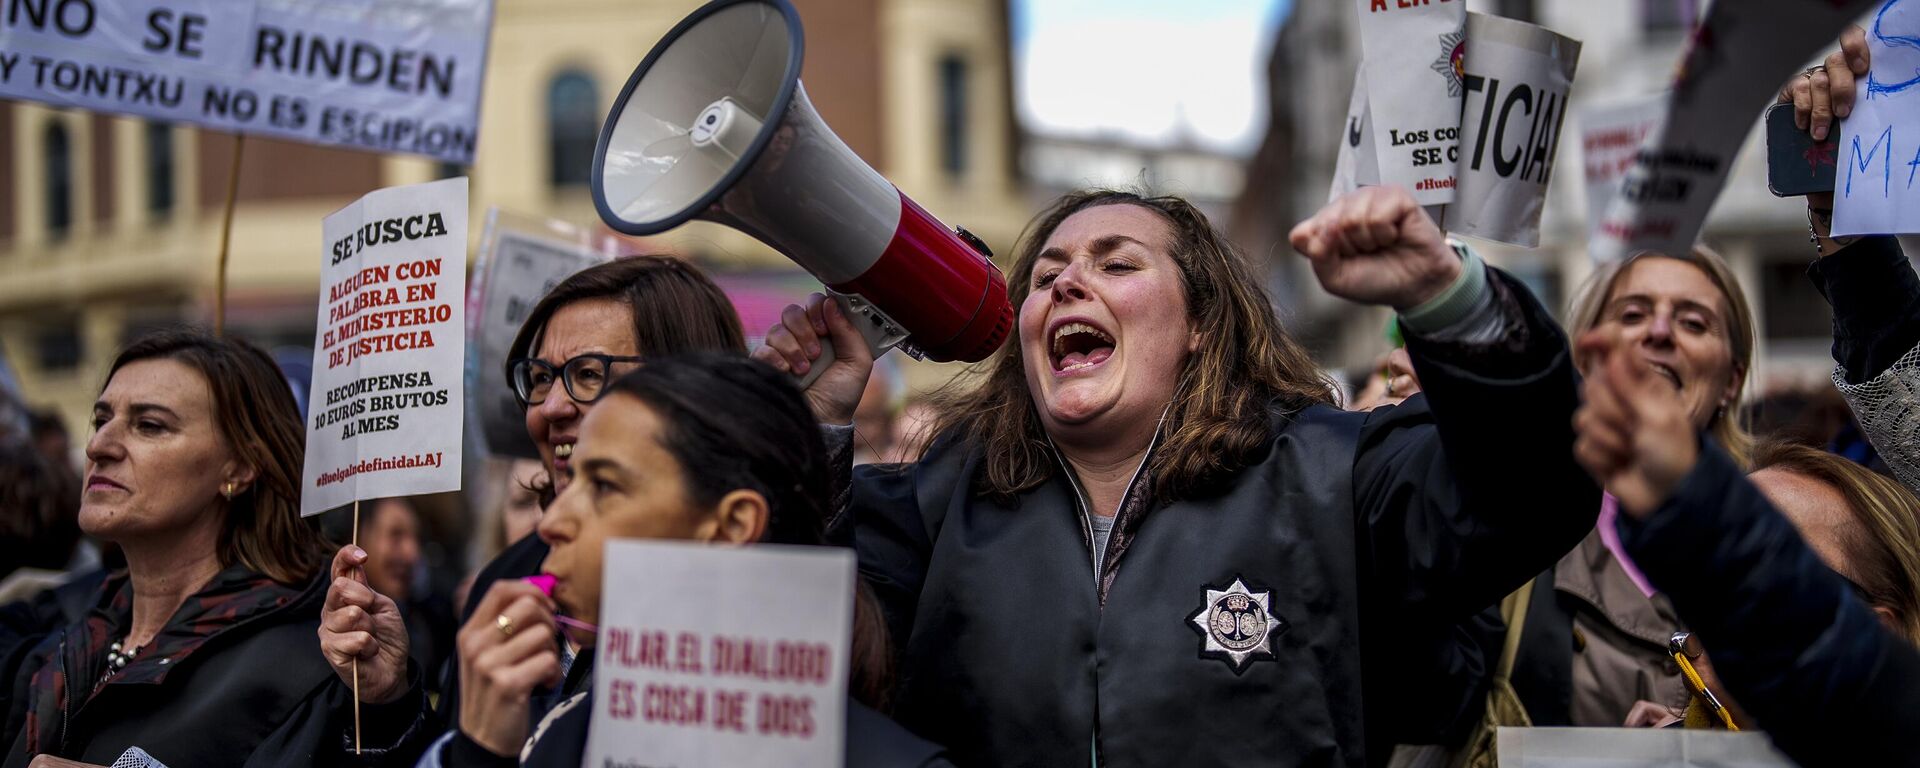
[{"x": 585, "y": 377}]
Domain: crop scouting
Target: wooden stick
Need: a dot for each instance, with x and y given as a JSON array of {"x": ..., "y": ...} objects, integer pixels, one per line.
[
  {"x": 226, "y": 240},
  {"x": 356, "y": 659}
]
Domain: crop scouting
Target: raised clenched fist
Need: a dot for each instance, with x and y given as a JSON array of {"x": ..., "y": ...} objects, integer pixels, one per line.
[{"x": 1375, "y": 245}]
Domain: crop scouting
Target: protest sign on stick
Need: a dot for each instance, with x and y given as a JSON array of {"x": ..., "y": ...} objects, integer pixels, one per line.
[
  {"x": 1731, "y": 70},
  {"x": 1518, "y": 78},
  {"x": 382, "y": 76},
  {"x": 1879, "y": 151},
  {"x": 1611, "y": 135},
  {"x": 1414, "y": 55},
  {"x": 709, "y": 657},
  {"x": 385, "y": 414},
  {"x": 520, "y": 259}
]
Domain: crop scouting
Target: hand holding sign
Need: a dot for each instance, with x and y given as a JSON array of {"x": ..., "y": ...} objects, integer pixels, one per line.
[
  {"x": 1377, "y": 246},
  {"x": 357, "y": 623}
]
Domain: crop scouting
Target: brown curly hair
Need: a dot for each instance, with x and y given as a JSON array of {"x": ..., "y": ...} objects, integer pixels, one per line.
[{"x": 1246, "y": 366}]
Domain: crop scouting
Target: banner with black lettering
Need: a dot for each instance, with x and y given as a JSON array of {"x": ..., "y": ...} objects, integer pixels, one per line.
[
  {"x": 1414, "y": 62},
  {"x": 1610, "y": 138},
  {"x": 1518, "y": 78},
  {"x": 1731, "y": 70},
  {"x": 384, "y": 413},
  {"x": 391, "y": 76}
]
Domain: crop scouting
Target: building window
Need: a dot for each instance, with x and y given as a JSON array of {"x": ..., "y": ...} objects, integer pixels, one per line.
[
  {"x": 58, "y": 150},
  {"x": 57, "y": 347},
  {"x": 953, "y": 115},
  {"x": 573, "y": 123},
  {"x": 159, "y": 139},
  {"x": 1666, "y": 17},
  {"x": 1790, "y": 306}
]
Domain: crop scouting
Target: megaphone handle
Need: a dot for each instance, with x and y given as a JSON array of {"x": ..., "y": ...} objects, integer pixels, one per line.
[
  {"x": 820, "y": 363},
  {"x": 875, "y": 327}
]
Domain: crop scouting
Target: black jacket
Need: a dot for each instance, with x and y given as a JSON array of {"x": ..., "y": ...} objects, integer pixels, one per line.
[
  {"x": 1876, "y": 305},
  {"x": 1794, "y": 647},
  {"x": 417, "y": 729},
  {"x": 1347, "y": 530},
  {"x": 234, "y": 679}
]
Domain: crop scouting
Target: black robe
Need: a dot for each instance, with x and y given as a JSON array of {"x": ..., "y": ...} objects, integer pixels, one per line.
[{"x": 1350, "y": 533}]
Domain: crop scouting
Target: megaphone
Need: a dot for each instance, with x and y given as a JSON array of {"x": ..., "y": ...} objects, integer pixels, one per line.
[{"x": 715, "y": 125}]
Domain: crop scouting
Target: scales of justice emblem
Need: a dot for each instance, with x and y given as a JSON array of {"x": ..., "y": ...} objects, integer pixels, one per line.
[{"x": 1237, "y": 625}]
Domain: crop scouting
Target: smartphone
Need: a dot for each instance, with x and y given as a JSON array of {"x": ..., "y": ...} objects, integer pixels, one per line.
[{"x": 1796, "y": 164}]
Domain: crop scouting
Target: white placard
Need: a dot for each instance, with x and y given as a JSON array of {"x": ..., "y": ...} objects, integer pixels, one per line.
[
  {"x": 1518, "y": 79},
  {"x": 401, "y": 76},
  {"x": 1357, "y": 164},
  {"x": 1636, "y": 748},
  {"x": 1879, "y": 149},
  {"x": 1730, "y": 72},
  {"x": 520, "y": 260},
  {"x": 385, "y": 411},
  {"x": 1414, "y": 59},
  {"x": 1610, "y": 138},
  {"x": 712, "y": 657}
]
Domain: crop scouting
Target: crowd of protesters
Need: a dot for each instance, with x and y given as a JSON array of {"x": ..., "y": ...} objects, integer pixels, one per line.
[{"x": 1147, "y": 533}]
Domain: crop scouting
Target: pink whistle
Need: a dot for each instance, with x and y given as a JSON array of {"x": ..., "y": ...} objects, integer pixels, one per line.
[{"x": 543, "y": 582}]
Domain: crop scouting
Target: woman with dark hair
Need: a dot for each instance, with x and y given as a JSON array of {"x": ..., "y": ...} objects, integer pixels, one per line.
[
  {"x": 594, "y": 326},
  {"x": 199, "y": 653},
  {"x": 710, "y": 448},
  {"x": 1145, "y": 536}
]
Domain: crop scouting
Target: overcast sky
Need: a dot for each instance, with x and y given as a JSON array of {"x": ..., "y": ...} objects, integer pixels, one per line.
[{"x": 1146, "y": 70}]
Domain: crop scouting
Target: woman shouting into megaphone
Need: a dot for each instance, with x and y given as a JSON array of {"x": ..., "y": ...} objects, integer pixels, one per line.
[{"x": 1145, "y": 536}]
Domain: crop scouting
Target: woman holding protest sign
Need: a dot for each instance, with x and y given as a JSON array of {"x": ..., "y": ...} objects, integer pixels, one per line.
[
  {"x": 597, "y": 324},
  {"x": 710, "y": 448},
  {"x": 1146, "y": 537},
  {"x": 200, "y": 652}
]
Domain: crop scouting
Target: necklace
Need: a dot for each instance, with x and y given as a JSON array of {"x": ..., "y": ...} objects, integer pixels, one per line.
[{"x": 117, "y": 659}]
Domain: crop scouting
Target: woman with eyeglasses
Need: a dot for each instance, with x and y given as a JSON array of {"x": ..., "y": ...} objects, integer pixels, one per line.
[{"x": 590, "y": 329}]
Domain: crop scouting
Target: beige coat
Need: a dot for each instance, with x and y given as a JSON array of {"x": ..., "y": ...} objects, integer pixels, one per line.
[{"x": 1619, "y": 638}]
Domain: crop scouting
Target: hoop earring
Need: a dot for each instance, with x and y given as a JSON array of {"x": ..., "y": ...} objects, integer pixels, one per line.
[{"x": 228, "y": 489}]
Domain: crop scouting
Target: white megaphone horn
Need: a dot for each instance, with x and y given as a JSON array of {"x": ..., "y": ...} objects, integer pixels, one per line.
[{"x": 714, "y": 125}]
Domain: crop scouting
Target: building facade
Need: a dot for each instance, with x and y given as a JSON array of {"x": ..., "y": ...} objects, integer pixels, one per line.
[
  {"x": 109, "y": 226},
  {"x": 1628, "y": 50}
]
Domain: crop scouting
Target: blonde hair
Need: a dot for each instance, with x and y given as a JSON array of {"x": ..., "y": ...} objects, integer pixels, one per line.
[
  {"x": 1883, "y": 550},
  {"x": 1727, "y": 425}
]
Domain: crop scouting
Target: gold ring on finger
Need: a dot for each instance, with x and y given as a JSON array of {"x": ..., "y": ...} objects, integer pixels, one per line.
[{"x": 505, "y": 623}]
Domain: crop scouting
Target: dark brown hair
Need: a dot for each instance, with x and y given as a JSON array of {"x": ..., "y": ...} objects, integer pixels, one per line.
[
  {"x": 676, "y": 307},
  {"x": 733, "y": 423},
  {"x": 1883, "y": 547},
  {"x": 254, "y": 410},
  {"x": 1246, "y": 365}
]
